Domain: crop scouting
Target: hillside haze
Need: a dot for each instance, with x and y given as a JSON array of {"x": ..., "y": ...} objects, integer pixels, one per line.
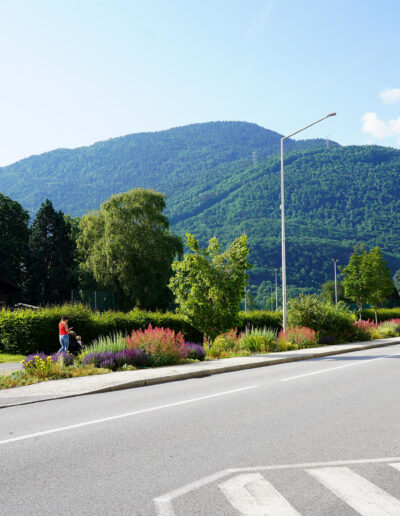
[{"x": 222, "y": 178}]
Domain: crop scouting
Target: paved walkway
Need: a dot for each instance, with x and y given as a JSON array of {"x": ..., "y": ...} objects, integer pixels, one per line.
[
  {"x": 6, "y": 367},
  {"x": 127, "y": 379}
]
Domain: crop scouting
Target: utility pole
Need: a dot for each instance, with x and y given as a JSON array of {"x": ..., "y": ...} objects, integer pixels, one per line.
[
  {"x": 334, "y": 269},
  {"x": 272, "y": 299},
  {"x": 283, "y": 236},
  {"x": 276, "y": 289}
]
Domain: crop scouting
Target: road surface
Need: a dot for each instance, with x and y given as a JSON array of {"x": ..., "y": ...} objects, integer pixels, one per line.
[{"x": 319, "y": 437}]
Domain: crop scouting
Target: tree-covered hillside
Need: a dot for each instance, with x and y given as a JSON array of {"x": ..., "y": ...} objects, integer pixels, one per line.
[
  {"x": 172, "y": 161},
  {"x": 335, "y": 198},
  {"x": 222, "y": 179}
]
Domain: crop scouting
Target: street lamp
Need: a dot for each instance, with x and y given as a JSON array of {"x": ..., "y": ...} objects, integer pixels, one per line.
[
  {"x": 283, "y": 218},
  {"x": 276, "y": 289},
  {"x": 334, "y": 269}
]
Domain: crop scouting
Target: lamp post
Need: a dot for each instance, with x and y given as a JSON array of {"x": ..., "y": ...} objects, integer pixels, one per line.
[
  {"x": 276, "y": 289},
  {"x": 334, "y": 269},
  {"x": 283, "y": 218}
]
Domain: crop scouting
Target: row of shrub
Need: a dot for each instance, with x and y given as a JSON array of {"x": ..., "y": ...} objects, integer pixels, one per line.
[
  {"x": 261, "y": 340},
  {"x": 25, "y": 331},
  {"x": 40, "y": 367},
  {"x": 152, "y": 347},
  {"x": 368, "y": 330},
  {"x": 384, "y": 314},
  {"x": 267, "y": 340}
]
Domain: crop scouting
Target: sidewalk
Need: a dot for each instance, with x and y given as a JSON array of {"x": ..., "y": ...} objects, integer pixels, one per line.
[
  {"x": 70, "y": 387},
  {"x": 7, "y": 367}
]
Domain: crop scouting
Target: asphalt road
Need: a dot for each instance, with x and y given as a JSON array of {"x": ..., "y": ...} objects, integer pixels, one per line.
[{"x": 314, "y": 437}]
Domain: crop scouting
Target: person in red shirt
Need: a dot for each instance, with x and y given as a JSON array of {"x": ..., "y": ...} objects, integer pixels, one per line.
[{"x": 63, "y": 332}]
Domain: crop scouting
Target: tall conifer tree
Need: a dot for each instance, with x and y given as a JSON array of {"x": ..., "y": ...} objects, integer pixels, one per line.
[
  {"x": 13, "y": 240},
  {"x": 51, "y": 257}
]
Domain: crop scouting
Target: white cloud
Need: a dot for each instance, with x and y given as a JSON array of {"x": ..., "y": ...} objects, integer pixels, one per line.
[
  {"x": 377, "y": 128},
  {"x": 390, "y": 96}
]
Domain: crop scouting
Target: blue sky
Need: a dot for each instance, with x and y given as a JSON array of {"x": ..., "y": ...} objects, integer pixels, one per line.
[{"x": 75, "y": 72}]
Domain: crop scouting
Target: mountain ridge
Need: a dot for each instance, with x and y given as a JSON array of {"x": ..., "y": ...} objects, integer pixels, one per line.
[{"x": 223, "y": 179}]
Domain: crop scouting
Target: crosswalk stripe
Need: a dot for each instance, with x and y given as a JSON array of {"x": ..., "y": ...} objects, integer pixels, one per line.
[
  {"x": 395, "y": 465},
  {"x": 363, "y": 496},
  {"x": 252, "y": 495}
]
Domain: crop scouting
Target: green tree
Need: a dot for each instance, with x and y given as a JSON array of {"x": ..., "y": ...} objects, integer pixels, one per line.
[
  {"x": 396, "y": 281},
  {"x": 127, "y": 247},
  {"x": 209, "y": 284},
  {"x": 328, "y": 291},
  {"x": 380, "y": 285},
  {"x": 14, "y": 236},
  {"x": 355, "y": 278},
  {"x": 51, "y": 263}
]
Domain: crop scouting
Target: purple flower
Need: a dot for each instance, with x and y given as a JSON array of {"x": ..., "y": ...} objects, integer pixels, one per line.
[
  {"x": 107, "y": 364},
  {"x": 196, "y": 351},
  {"x": 133, "y": 357},
  {"x": 67, "y": 357},
  {"x": 97, "y": 358}
]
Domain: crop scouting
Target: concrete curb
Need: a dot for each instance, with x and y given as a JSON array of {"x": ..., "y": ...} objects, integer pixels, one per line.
[
  {"x": 168, "y": 374},
  {"x": 237, "y": 367}
]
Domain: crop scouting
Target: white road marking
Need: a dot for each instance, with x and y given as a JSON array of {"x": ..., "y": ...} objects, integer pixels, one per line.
[
  {"x": 252, "y": 495},
  {"x": 367, "y": 361},
  {"x": 395, "y": 465},
  {"x": 121, "y": 416},
  {"x": 363, "y": 496},
  {"x": 163, "y": 504}
]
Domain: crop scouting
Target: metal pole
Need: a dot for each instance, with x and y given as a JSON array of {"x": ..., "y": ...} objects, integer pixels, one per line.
[
  {"x": 272, "y": 299},
  {"x": 283, "y": 241},
  {"x": 95, "y": 301},
  {"x": 276, "y": 289},
  {"x": 245, "y": 299},
  {"x": 334, "y": 269},
  {"x": 283, "y": 218}
]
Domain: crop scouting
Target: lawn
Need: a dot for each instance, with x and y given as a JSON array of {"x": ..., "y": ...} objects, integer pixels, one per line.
[{"x": 7, "y": 357}]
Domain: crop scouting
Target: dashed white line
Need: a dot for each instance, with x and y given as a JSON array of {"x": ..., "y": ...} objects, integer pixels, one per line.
[
  {"x": 367, "y": 361},
  {"x": 121, "y": 416}
]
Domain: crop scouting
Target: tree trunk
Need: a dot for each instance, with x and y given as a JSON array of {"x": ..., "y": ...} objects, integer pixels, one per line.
[
  {"x": 376, "y": 316},
  {"x": 359, "y": 312}
]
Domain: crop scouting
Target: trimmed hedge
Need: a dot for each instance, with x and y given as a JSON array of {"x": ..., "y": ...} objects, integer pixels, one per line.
[
  {"x": 384, "y": 314},
  {"x": 28, "y": 331},
  {"x": 260, "y": 319}
]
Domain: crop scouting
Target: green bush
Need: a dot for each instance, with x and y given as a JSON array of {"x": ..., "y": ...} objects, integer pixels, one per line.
[
  {"x": 334, "y": 324},
  {"x": 28, "y": 331},
  {"x": 259, "y": 340},
  {"x": 224, "y": 344},
  {"x": 384, "y": 314},
  {"x": 388, "y": 329},
  {"x": 260, "y": 319}
]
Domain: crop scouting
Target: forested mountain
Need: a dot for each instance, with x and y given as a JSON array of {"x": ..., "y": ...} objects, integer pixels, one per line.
[
  {"x": 335, "y": 198},
  {"x": 172, "y": 161},
  {"x": 222, "y": 178}
]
